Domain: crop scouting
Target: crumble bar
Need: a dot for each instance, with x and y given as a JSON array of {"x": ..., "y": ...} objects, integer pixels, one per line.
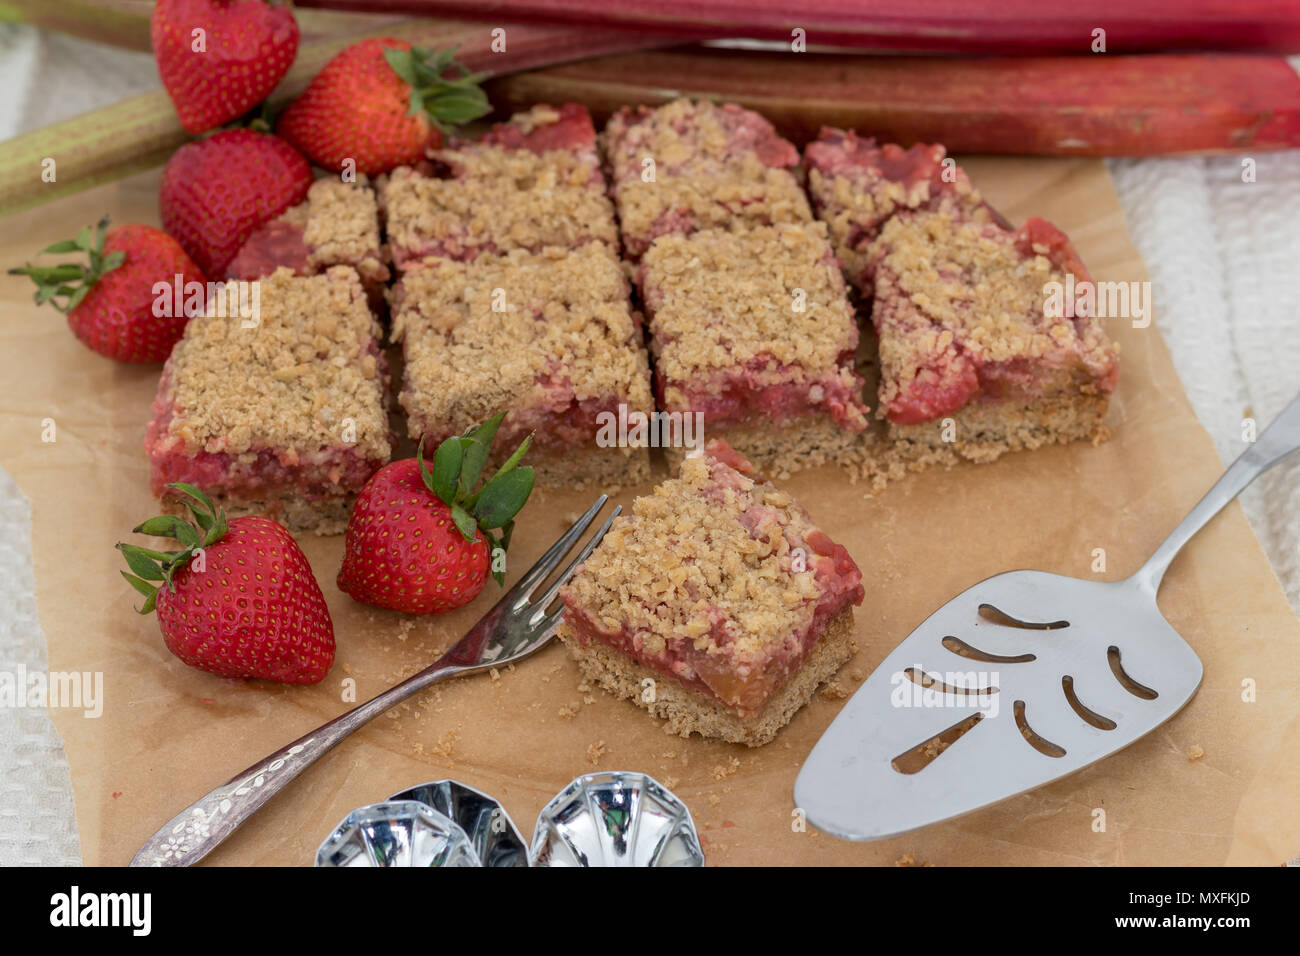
[
  {"x": 530, "y": 183},
  {"x": 754, "y": 330},
  {"x": 857, "y": 185},
  {"x": 964, "y": 331},
  {"x": 338, "y": 224},
  {"x": 549, "y": 338},
  {"x": 288, "y": 417},
  {"x": 716, "y": 604},
  {"x": 714, "y": 167}
]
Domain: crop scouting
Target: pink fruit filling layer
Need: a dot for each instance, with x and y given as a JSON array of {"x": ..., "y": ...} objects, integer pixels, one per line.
[{"x": 732, "y": 398}]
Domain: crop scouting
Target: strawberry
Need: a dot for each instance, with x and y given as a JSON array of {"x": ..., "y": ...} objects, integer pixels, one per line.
[
  {"x": 239, "y": 599},
  {"x": 381, "y": 103},
  {"x": 110, "y": 304},
  {"x": 421, "y": 541},
  {"x": 216, "y": 191},
  {"x": 220, "y": 58}
]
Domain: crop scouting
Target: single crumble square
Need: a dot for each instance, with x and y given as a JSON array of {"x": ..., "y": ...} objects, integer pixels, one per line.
[
  {"x": 549, "y": 338},
  {"x": 961, "y": 313},
  {"x": 528, "y": 184},
  {"x": 857, "y": 185},
  {"x": 714, "y": 167},
  {"x": 716, "y": 604},
  {"x": 337, "y": 225},
  {"x": 753, "y": 329},
  {"x": 286, "y": 417}
]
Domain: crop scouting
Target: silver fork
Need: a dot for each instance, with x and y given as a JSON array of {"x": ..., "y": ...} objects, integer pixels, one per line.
[{"x": 513, "y": 629}]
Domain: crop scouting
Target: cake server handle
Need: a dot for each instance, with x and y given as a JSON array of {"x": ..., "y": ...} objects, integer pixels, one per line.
[{"x": 1280, "y": 439}]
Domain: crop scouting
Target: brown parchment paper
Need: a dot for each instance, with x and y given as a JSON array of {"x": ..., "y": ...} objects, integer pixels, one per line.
[{"x": 169, "y": 733}]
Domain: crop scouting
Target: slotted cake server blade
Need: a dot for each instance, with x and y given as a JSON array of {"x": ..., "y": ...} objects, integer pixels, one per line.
[{"x": 1018, "y": 681}]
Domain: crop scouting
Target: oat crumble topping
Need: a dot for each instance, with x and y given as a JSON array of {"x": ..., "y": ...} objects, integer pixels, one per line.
[
  {"x": 857, "y": 185},
  {"x": 723, "y": 301},
  {"x": 567, "y": 322},
  {"x": 714, "y": 165},
  {"x": 288, "y": 383},
  {"x": 711, "y": 545},
  {"x": 499, "y": 199},
  {"x": 340, "y": 222}
]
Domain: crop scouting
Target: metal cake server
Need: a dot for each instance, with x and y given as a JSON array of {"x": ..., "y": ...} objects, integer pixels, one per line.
[{"x": 1014, "y": 683}]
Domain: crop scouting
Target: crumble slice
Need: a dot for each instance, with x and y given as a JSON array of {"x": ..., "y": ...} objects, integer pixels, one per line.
[
  {"x": 288, "y": 417},
  {"x": 714, "y": 167},
  {"x": 549, "y": 338},
  {"x": 338, "y": 224},
  {"x": 530, "y": 183},
  {"x": 716, "y": 604},
  {"x": 754, "y": 330},
  {"x": 964, "y": 330},
  {"x": 857, "y": 185}
]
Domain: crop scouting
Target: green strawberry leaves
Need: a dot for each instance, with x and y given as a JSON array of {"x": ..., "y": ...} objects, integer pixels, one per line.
[
  {"x": 148, "y": 565},
  {"x": 440, "y": 87},
  {"x": 65, "y": 285},
  {"x": 457, "y": 467}
]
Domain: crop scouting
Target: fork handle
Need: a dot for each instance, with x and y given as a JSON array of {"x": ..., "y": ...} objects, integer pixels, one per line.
[
  {"x": 193, "y": 833},
  {"x": 1280, "y": 439}
]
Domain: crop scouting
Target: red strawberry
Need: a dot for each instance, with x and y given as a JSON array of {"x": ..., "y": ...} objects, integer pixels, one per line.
[
  {"x": 249, "y": 607},
  {"x": 216, "y": 191},
  {"x": 110, "y": 304},
  {"x": 421, "y": 541},
  {"x": 382, "y": 104},
  {"x": 243, "y": 50}
]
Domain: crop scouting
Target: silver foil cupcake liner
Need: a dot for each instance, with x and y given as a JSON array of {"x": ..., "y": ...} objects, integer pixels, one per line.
[
  {"x": 615, "y": 818},
  {"x": 397, "y": 833},
  {"x": 494, "y": 836}
]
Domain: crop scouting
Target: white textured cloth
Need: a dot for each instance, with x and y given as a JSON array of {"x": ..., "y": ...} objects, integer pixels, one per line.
[{"x": 1224, "y": 259}]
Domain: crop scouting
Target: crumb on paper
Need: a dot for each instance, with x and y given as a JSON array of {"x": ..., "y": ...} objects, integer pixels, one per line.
[
  {"x": 723, "y": 771},
  {"x": 908, "y": 859},
  {"x": 494, "y": 674},
  {"x": 834, "y": 691},
  {"x": 670, "y": 782},
  {"x": 446, "y": 745},
  {"x": 1195, "y": 752},
  {"x": 714, "y": 800},
  {"x": 595, "y": 752},
  {"x": 569, "y": 711}
]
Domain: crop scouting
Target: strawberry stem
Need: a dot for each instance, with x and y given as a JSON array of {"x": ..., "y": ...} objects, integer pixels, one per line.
[
  {"x": 457, "y": 466},
  {"x": 149, "y": 565},
  {"x": 65, "y": 285},
  {"x": 440, "y": 87}
]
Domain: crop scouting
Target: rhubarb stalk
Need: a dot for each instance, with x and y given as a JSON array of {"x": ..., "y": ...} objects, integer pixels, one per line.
[
  {"x": 1046, "y": 106},
  {"x": 143, "y": 131},
  {"x": 915, "y": 26}
]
